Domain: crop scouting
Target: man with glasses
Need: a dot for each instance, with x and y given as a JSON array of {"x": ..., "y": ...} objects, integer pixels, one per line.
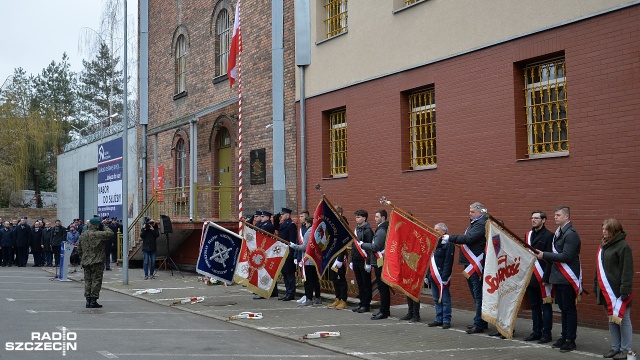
[{"x": 539, "y": 294}]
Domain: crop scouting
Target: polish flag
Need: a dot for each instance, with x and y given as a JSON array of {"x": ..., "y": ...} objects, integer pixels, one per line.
[{"x": 234, "y": 50}]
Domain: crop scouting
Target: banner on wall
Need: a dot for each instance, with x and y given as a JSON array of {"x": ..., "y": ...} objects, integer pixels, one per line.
[{"x": 110, "y": 179}]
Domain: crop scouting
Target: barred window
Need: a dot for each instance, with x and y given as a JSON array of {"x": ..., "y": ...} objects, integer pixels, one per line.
[
  {"x": 181, "y": 65},
  {"x": 546, "y": 108},
  {"x": 338, "y": 142},
  {"x": 223, "y": 39},
  {"x": 422, "y": 128},
  {"x": 336, "y": 17}
]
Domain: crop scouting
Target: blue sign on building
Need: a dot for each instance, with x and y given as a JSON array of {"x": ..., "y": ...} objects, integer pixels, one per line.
[{"x": 110, "y": 179}]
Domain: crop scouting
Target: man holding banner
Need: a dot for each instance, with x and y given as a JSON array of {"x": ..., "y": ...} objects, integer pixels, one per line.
[
  {"x": 360, "y": 262},
  {"x": 540, "y": 295},
  {"x": 472, "y": 246},
  {"x": 376, "y": 247}
]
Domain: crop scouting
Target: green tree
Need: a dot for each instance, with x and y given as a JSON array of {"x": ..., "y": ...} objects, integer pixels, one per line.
[{"x": 101, "y": 86}]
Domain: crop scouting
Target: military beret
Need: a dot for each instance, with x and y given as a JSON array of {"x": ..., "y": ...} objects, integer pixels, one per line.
[{"x": 94, "y": 221}]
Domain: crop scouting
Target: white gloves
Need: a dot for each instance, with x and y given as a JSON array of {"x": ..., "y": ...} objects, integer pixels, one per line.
[
  {"x": 295, "y": 261},
  {"x": 426, "y": 281},
  {"x": 351, "y": 266},
  {"x": 360, "y": 243},
  {"x": 337, "y": 264},
  {"x": 445, "y": 239},
  {"x": 367, "y": 268},
  {"x": 291, "y": 245}
]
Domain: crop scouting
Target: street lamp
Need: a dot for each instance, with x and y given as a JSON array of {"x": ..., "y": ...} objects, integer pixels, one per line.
[{"x": 36, "y": 176}]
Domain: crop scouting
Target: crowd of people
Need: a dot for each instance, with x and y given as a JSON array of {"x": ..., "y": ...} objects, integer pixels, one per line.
[
  {"x": 42, "y": 239},
  {"x": 557, "y": 275}
]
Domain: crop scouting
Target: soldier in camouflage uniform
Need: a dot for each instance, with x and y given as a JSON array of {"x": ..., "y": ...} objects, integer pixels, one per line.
[{"x": 92, "y": 255}]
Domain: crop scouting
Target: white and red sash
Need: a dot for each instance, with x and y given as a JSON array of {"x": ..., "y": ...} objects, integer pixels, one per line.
[
  {"x": 615, "y": 306},
  {"x": 437, "y": 279},
  {"x": 358, "y": 247},
  {"x": 300, "y": 237},
  {"x": 565, "y": 270},
  {"x": 545, "y": 290},
  {"x": 475, "y": 262}
]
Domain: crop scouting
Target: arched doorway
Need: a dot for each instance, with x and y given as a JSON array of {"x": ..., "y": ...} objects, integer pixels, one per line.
[{"x": 225, "y": 181}]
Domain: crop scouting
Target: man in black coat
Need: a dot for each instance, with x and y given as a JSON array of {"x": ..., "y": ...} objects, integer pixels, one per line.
[
  {"x": 288, "y": 231},
  {"x": 376, "y": 245},
  {"x": 37, "y": 244},
  {"x": 59, "y": 235},
  {"x": 106, "y": 222},
  {"x": 46, "y": 242},
  {"x": 564, "y": 272},
  {"x": 22, "y": 239},
  {"x": 473, "y": 243},
  {"x": 541, "y": 313},
  {"x": 6, "y": 244}
]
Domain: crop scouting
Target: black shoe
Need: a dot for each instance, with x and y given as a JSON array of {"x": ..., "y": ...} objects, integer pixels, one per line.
[
  {"x": 407, "y": 317},
  {"x": 446, "y": 325},
  {"x": 363, "y": 310},
  {"x": 282, "y": 297},
  {"x": 94, "y": 304},
  {"x": 108, "y": 269},
  {"x": 612, "y": 354},
  {"x": 376, "y": 314},
  {"x": 415, "y": 319},
  {"x": 380, "y": 316},
  {"x": 469, "y": 326},
  {"x": 258, "y": 297},
  {"x": 544, "y": 339},
  {"x": 558, "y": 344},
  {"x": 475, "y": 330},
  {"x": 434, "y": 324},
  {"x": 495, "y": 333},
  {"x": 355, "y": 309},
  {"x": 533, "y": 337},
  {"x": 88, "y": 302},
  {"x": 287, "y": 298},
  {"x": 568, "y": 345}
]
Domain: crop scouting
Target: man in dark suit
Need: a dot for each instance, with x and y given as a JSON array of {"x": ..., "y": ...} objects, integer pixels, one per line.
[
  {"x": 288, "y": 231},
  {"x": 540, "y": 295},
  {"x": 473, "y": 243},
  {"x": 564, "y": 272},
  {"x": 22, "y": 239}
]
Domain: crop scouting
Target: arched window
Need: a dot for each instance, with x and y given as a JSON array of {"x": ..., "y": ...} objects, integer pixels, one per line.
[
  {"x": 224, "y": 139},
  {"x": 181, "y": 65},
  {"x": 181, "y": 164},
  {"x": 223, "y": 40}
]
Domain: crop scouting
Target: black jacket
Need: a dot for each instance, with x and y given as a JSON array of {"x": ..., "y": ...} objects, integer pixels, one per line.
[
  {"x": 149, "y": 239},
  {"x": 443, "y": 255},
  {"x": 540, "y": 240},
  {"x": 47, "y": 234},
  {"x": 59, "y": 235},
  {"x": 6, "y": 237},
  {"x": 364, "y": 234},
  {"x": 378, "y": 242},
  {"x": 568, "y": 246},
  {"x": 288, "y": 231},
  {"x": 474, "y": 238},
  {"x": 22, "y": 235}
]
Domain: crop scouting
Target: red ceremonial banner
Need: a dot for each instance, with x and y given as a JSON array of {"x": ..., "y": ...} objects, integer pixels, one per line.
[{"x": 407, "y": 253}]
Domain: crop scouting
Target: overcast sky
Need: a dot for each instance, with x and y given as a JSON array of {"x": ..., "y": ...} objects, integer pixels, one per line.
[{"x": 36, "y": 32}]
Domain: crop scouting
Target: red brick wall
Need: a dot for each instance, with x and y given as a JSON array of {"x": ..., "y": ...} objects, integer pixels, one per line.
[
  {"x": 479, "y": 123},
  {"x": 196, "y": 19}
]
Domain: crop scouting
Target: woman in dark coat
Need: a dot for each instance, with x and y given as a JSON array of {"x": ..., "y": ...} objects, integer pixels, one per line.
[{"x": 612, "y": 285}]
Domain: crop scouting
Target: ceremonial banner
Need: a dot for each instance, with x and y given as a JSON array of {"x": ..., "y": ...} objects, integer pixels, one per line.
[
  {"x": 261, "y": 259},
  {"x": 329, "y": 236},
  {"x": 507, "y": 270},
  {"x": 219, "y": 251},
  {"x": 407, "y": 252}
]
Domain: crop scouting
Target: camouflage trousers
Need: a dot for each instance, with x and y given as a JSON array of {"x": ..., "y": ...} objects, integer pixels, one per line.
[{"x": 93, "y": 279}]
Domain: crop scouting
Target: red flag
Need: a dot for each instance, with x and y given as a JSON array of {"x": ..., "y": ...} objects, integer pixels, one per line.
[
  {"x": 407, "y": 252},
  {"x": 235, "y": 48},
  {"x": 261, "y": 259}
]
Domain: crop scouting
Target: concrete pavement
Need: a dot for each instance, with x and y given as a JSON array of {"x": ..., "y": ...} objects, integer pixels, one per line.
[{"x": 359, "y": 335}]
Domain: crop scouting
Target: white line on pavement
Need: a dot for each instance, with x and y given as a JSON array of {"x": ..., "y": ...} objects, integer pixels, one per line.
[
  {"x": 107, "y": 354},
  {"x": 172, "y": 329},
  {"x": 10, "y": 299},
  {"x": 227, "y": 356},
  {"x": 493, "y": 348}
]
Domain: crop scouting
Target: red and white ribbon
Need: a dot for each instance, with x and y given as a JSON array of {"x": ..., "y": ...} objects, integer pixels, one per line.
[
  {"x": 615, "y": 306},
  {"x": 475, "y": 262},
  {"x": 565, "y": 270},
  {"x": 437, "y": 278},
  {"x": 545, "y": 290}
]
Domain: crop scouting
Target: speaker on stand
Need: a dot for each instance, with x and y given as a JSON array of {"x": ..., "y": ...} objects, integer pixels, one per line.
[{"x": 166, "y": 228}]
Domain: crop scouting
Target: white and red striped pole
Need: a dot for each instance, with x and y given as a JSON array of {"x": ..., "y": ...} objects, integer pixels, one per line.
[{"x": 237, "y": 33}]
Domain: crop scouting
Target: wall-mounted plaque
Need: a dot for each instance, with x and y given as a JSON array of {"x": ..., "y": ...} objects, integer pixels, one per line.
[{"x": 258, "y": 167}]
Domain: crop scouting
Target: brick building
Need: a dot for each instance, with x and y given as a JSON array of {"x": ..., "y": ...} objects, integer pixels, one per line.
[
  {"x": 190, "y": 99},
  {"x": 537, "y": 106}
]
